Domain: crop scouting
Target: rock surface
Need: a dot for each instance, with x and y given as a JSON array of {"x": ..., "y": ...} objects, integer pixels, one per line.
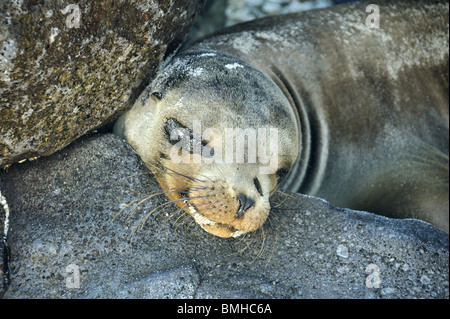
[
  {"x": 67, "y": 69},
  {"x": 245, "y": 10},
  {"x": 66, "y": 211},
  {"x": 69, "y": 211}
]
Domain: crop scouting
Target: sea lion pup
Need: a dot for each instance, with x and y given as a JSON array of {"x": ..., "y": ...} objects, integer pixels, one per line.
[{"x": 362, "y": 115}]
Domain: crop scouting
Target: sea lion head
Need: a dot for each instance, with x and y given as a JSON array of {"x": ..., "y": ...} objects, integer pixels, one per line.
[{"x": 218, "y": 135}]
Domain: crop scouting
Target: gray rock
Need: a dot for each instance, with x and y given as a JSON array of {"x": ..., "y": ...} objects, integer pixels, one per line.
[
  {"x": 68, "y": 209},
  {"x": 68, "y": 69},
  {"x": 210, "y": 19},
  {"x": 244, "y": 10}
]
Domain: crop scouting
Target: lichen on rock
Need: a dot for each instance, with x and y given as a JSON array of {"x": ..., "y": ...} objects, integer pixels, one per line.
[{"x": 67, "y": 69}]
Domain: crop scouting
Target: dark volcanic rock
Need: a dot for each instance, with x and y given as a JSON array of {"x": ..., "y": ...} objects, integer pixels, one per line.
[
  {"x": 67, "y": 69},
  {"x": 66, "y": 211}
]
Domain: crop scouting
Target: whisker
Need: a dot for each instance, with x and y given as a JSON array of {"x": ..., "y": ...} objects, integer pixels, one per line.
[
  {"x": 205, "y": 210},
  {"x": 206, "y": 203},
  {"x": 288, "y": 195},
  {"x": 179, "y": 210},
  {"x": 249, "y": 241},
  {"x": 176, "y": 221},
  {"x": 261, "y": 236},
  {"x": 192, "y": 197},
  {"x": 182, "y": 215},
  {"x": 198, "y": 211},
  {"x": 178, "y": 173},
  {"x": 144, "y": 219},
  {"x": 181, "y": 189},
  {"x": 172, "y": 174},
  {"x": 192, "y": 221},
  {"x": 281, "y": 203},
  {"x": 146, "y": 197},
  {"x": 163, "y": 192},
  {"x": 206, "y": 178},
  {"x": 273, "y": 248},
  {"x": 263, "y": 246}
]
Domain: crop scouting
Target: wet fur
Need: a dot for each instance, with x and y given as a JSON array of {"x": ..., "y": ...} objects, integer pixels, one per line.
[{"x": 365, "y": 110}]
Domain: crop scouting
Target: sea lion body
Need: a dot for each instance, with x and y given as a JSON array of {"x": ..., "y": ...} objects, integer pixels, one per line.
[{"x": 365, "y": 109}]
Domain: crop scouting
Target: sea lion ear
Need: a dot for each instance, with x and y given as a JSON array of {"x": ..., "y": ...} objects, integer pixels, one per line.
[{"x": 157, "y": 96}]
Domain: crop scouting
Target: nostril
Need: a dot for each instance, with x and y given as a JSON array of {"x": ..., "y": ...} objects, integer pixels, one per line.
[{"x": 244, "y": 204}]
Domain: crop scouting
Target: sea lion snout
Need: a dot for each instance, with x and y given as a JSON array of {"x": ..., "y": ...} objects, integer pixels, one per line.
[
  {"x": 244, "y": 204},
  {"x": 221, "y": 210}
]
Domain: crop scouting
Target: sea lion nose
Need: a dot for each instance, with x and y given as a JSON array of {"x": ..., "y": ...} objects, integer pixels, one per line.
[{"x": 244, "y": 204}]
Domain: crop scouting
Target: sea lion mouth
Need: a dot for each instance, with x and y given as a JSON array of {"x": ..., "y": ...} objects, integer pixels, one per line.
[{"x": 218, "y": 229}]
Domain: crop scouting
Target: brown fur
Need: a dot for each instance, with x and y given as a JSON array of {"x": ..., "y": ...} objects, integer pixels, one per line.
[{"x": 364, "y": 113}]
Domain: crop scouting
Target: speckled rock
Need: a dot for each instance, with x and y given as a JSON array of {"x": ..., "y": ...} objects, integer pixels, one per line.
[
  {"x": 67, "y": 69},
  {"x": 245, "y": 10},
  {"x": 69, "y": 215}
]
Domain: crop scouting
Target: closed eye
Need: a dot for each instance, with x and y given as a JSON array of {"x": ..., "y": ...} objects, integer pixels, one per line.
[
  {"x": 258, "y": 186},
  {"x": 175, "y": 128}
]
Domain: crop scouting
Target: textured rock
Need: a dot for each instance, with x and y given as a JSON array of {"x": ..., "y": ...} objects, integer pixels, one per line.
[
  {"x": 245, "y": 10},
  {"x": 66, "y": 210},
  {"x": 210, "y": 19},
  {"x": 67, "y": 69}
]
